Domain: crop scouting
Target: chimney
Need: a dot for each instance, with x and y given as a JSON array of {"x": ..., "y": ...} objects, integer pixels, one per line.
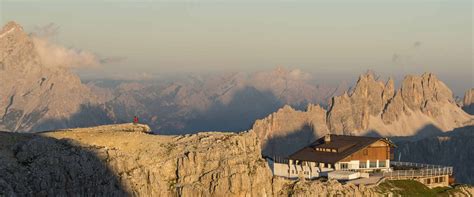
[{"x": 327, "y": 138}]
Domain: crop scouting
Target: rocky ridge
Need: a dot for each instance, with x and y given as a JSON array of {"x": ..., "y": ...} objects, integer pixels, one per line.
[
  {"x": 423, "y": 105},
  {"x": 117, "y": 162},
  {"x": 122, "y": 160}
]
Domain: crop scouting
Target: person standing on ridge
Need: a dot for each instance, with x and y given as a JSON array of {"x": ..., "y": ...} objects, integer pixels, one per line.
[{"x": 135, "y": 120}]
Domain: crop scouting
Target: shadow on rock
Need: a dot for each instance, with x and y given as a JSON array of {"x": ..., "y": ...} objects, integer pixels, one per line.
[
  {"x": 88, "y": 115},
  {"x": 35, "y": 165},
  {"x": 288, "y": 144}
]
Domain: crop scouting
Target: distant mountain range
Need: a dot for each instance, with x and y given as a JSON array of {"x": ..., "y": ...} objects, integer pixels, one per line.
[
  {"x": 230, "y": 102},
  {"x": 39, "y": 97}
]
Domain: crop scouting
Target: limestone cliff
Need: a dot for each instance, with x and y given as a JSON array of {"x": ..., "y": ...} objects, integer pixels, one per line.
[
  {"x": 36, "y": 96},
  {"x": 422, "y": 106},
  {"x": 288, "y": 129},
  {"x": 113, "y": 161},
  {"x": 374, "y": 107},
  {"x": 468, "y": 101}
]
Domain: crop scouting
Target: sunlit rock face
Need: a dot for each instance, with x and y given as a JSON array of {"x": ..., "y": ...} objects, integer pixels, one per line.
[
  {"x": 468, "y": 101},
  {"x": 422, "y": 106},
  {"x": 37, "y": 96},
  {"x": 125, "y": 160}
]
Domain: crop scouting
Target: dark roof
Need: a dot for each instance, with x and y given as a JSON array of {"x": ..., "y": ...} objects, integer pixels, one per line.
[{"x": 344, "y": 145}]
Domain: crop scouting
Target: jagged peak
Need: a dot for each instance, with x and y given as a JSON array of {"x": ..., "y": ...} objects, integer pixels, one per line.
[
  {"x": 368, "y": 75},
  {"x": 287, "y": 108},
  {"x": 468, "y": 98},
  {"x": 425, "y": 78},
  {"x": 428, "y": 74},
  {"x": 9, "y": 28},
  {"x": 313, "y": 107},
  {"x": 10, "y": 25}
]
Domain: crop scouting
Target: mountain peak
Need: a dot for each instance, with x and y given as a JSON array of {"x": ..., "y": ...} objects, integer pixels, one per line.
[{"x": 9, "y": 28}]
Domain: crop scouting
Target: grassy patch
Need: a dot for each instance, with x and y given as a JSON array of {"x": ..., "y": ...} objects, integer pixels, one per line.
[
  {"x": 413, "y": 188},
  {"x": 406, "y": 188}
]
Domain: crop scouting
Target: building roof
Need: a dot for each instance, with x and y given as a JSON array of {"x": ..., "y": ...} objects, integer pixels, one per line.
[{"x": 338, "y": 148}]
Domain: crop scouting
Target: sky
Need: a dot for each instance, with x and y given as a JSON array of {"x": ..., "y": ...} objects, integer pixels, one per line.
[{"x": 337, "y": 38}]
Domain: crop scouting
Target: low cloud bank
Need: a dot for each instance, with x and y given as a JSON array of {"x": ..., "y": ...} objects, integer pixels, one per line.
[{"x": 56, "y": 55}]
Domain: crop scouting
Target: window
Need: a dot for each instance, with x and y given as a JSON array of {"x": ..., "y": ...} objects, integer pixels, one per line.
[
  {"x": 373, "y": 164},
  {"x": 363, "y": 164},
  {"x": 382, "y": 164},
  {"x": 441, "y": 179},
  {"x": 344, "y": 165},
  {"x": 366, "y": 152}
]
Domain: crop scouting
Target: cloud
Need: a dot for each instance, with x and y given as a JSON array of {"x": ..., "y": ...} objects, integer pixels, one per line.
[
  {"x": 55, "y": 55},
  {"x": 109, "y": 60}
]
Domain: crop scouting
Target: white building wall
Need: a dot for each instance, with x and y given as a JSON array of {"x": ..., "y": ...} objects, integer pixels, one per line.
[
  {"x": 291, "y": 170},
  {"x": 314, "y": 170}
]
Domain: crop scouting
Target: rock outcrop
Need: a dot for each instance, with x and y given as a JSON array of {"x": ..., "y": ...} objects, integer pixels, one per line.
[
  {"x": 98, "y": 161},
  {"x": 126, "y": 127},
  {"x": 351, "y": 113},
  {"x": 422, "y": 106},
  {"x": 468, "y": 101},
  {"x": 318, "y": 188},
  {"x": 372, "y": 106},
  {"x": 35, "y": 96},
  {"x": 288, "y": 129}
]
